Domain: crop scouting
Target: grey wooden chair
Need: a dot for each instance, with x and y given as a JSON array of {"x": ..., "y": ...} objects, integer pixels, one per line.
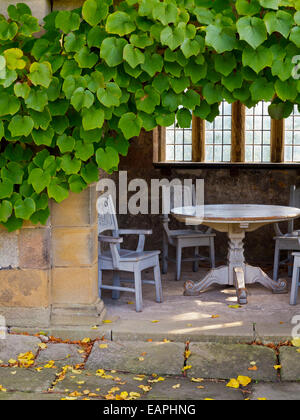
[
  {"x": 295, "y": 280},
  {"x": 117, "y": 259},
  {"x": 289, "y": 241},
  {"x": 184, "y": 238}
]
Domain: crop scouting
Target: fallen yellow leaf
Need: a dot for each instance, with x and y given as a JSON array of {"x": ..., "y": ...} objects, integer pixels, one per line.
[
  {"x": 103, "y": 346},
  {"x": 176, "y": 386},
  {"x": 197, "y": 380},
  {"x": 277, "y": 367},
  {"x": 43, "y": 346},
  {"x": 145, "y": 388},
  {"x": 107, "y": 321},
  {"x": 234, "y": 306},
  {"x": 244, "y": 380},
  {"x": 233, "y": 383},
  {"x": 215, "y": 316},
  {"x": 154, "y": 322},
  {"x": 86, "y": 340},
  {"x": 186, "y": 367},
  {"x": 296, "y": 342}
]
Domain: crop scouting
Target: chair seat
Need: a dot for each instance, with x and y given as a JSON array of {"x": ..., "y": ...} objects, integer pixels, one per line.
[{"x": 130, "y": 256}]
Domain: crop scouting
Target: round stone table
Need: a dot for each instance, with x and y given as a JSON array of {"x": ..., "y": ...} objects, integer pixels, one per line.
[{"x": 236, "y": 220}]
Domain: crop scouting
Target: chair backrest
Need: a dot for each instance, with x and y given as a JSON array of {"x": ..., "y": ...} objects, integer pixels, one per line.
[
  {"x": 294, "y": 202},
  {"x": 107, "y": 219},
  {"x": 177, "y": 196}
]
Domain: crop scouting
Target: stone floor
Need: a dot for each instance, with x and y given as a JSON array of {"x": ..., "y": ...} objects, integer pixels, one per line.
[
  {"x": 208, "y": 317},
  {"x": 109, "y": 370},
  {"x": 183, "y": 349}
]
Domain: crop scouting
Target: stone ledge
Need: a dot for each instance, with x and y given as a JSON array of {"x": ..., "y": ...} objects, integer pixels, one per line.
[{"x": 26, "y": 317}]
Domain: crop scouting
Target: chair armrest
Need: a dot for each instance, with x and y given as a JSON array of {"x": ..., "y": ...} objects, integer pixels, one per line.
[
  {"x": 110, "y": 239},
  {"x": 134, "y": 232}
]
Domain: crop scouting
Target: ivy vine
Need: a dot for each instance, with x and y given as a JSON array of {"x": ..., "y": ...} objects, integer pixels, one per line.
[{"x": 72, "y": 98}]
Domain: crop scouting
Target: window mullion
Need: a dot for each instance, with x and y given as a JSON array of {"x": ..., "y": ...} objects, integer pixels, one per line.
[
  {"x": 198, "y": 140},
  {"x": 277, "y": 140},
  {"x": 238, "y": 132}
]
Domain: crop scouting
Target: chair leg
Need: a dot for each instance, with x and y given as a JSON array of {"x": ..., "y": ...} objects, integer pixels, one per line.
[
  {"x": 157, "y": 278},
  {"x": 212, "y": 252},
  {"x": 295, "y": 283},
  {"x": 138, "y": 290},
  {"x": 165, "y": 255},
  {"x": 290, "y": 264},
  {"x": 196, "y": 263},
  {"x": 276, "y": 262},
  {"x": 116, "y": 282},
  {"x": 99, "y": 280},
  {"x": 178, "y": 261}
]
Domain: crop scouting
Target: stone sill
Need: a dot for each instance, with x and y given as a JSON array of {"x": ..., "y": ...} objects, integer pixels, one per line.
[{"x": 229, "y": 165}]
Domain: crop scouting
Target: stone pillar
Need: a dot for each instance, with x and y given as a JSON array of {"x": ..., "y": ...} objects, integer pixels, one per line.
[
  {"x": 39, "y": 8},
  {"x": 48, "y": 274},
  {"x": 75, "y": 260}
]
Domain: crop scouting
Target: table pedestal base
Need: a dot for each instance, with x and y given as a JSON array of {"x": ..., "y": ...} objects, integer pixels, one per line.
[{"x": 236, "y": 273}]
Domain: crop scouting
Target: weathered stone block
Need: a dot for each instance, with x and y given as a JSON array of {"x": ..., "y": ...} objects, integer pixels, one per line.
[
  {"x": 76, "y": 210},
  {"x": 283, "y": 391},
  {"x": 62, "y": 354},
  {"x": 290, "y": 362},
  {"x": 24, "y": 288},
  {"x": 74, "y": 285},
  {"x": 34, "y": 248},
  {"x": 26, "y": 317},
  {"x": 76, "y": 314},
  {"x": 27, "y": 379},
  {"x": 67, "y": 4},
  {"x": 13, "y": 345},
  {"x": 9, "y": 252},
  {"x": 231, "y": 360},
  {"x": 76, "y": 246},
  {"x": 39, "y": 8},
  {"x": 139, "y": 357}
]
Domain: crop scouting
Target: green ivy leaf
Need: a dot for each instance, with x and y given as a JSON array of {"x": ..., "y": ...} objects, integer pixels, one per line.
[
  {"x": 165, "y": 13},
  {"x": 295, "y": 36},
  {"x": 112, "y": 51},
  {"x": 147, "y": 99},
  {"x": 90, "y": 173},
  {"x": 67, "y": 21},
  {"x": 9, "y": 104},
  {"x": 212, "y": 93},
  {"x": 5, "y": 211},
  {"x": 107, "y": 159},
  {"x": 280, "y": 21},
  {"x": 92, "y": 118},
  {"x": 252, "y": 30},
  {"x": 82, "y": 98},
  {"x": 76, "y": 183},
  {"x": 65, "y": 143},
  {"x": 133, "y": 56},
  {"x": 70, "y": 165},
  {"x": 94, "y": 11},
  {"x": 21, "y": 126},
  {"x": 39, "y": 179},
  {"x": 37, "y": 100},
  {"x": 257, "y": 59},
  {"x": 270, "y": 4},
  {"x": 153, "y": 64},
  {"x": 83, "y": 151},
  {"x": 221, "y": 38},
  {"x": 14, "y": 172},
  {"x": 110, "y": 95},
  {"x": 184, "y": 118},
  {"x": 173, "y": 38},
  {"x": 86, "y": 59},
  {"x": 24, "y": 208},
  {"x": 41, "y": 74},
  {"x": 286, "y": 91},
  {"x": 8, "y": 30},
  {"x": 57, "y": 190},
  {"x": 130, "y": 124},
  {"x": 119, "y": 23},
  {"x": 261, "y": 89},
  {"x": 247, "y": 7},
  {"x": 21, "y": 90},
  {"x": 43, "y": 137},
  {"x": 14, "y": 59}
]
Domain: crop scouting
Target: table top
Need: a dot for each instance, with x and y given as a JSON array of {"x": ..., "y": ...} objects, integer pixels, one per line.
[{"x": 237, "y": 213}]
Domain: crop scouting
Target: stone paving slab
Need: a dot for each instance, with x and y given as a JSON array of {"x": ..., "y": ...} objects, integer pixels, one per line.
[
  {"x": 13, "y": 345},
  {"x": 225, "y": 361},
  {"x": 139, "y": 357},
  {"x": 62, "y": 354},
  {"x": 285, "y": 391},
  {"x": 100, "y": 386},
  {"x": 24, "y": 396},
  {"x": 290, "y": 362},
  {"x": 190, "y": 390},
  {"x": 26, "y": 380}
]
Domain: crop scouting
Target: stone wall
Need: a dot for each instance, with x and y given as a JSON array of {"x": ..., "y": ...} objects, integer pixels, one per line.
[{"x": 48, "y": 274}]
